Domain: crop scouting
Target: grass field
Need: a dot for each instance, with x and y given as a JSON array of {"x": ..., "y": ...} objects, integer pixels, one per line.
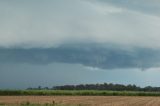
[{"x": 77, "y": 93}]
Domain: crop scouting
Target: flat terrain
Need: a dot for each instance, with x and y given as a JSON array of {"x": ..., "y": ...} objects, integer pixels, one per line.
[{"x": 87, "y": 100}]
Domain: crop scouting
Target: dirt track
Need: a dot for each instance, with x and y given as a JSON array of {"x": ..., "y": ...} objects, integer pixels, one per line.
[{"x": 89, "y": 100}]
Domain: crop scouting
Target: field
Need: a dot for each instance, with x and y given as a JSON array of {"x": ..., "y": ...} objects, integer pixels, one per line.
[
  {"x": 83, "y": 100},
  {"x": 78, "y": 98},
  {"x": 76, "y": 93}
]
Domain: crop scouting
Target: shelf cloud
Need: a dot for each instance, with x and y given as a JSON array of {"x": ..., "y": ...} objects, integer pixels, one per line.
[
  {"x": 88, "y": 55},
  {"x": 54, "y": 42}
]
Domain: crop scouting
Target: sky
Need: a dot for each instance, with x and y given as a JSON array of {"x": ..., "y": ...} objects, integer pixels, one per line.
[{"x": 58, "y": 42}]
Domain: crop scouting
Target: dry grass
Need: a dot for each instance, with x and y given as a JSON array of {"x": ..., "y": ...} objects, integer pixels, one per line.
[{"x": 86, "y": 100}]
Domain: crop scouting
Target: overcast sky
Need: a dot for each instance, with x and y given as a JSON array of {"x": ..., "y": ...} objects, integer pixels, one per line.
[
  {"x": 83, "y": 35},
  {"x": 39, "y": 23}
]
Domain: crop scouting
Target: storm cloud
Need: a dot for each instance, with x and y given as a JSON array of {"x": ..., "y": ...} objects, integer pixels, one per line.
[
  {"x": 36, "y": 32},
  {"x": 54, "y": 42},
  {"x": 90, "y": 55}
]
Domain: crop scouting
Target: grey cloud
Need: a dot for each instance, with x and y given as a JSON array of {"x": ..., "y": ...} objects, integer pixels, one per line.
[
  {"x": 52, "y": 23},
  {"x": 144, "y": 6},
  {"x": 93, "y": 55}
]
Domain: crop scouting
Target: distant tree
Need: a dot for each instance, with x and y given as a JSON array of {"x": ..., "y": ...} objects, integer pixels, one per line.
[
  {"x": 39, "y": 87},
  {"x": 105, "y": 86}
]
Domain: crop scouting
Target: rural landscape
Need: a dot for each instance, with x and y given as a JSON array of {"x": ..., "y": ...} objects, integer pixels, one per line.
[
  {"x": 82, "y": 95},
  {"x": 79, "y": 52}
]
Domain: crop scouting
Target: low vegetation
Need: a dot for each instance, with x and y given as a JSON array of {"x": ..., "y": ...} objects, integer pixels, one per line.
[
  {"x": 76, "y": 93},
  {"x": 88, "y": 90}
]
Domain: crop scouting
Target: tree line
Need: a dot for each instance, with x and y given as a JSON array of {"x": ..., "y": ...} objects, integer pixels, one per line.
[{"x": 104, "y": 86}]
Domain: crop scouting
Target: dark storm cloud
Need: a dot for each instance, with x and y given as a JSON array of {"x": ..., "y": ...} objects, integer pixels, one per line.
[
  {"x": 37, "y": 28},
  {"x": 105, "y": 57}
]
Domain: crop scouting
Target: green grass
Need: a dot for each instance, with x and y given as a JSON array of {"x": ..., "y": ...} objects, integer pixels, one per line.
[{"x": 76, "y": 93}]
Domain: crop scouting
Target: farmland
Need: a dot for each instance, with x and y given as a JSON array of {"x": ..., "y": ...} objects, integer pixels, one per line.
[
  {"x": 78, "y": 98},
  {"x": 76, "y": 93},
  {"x": 83, "y": 100}
]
